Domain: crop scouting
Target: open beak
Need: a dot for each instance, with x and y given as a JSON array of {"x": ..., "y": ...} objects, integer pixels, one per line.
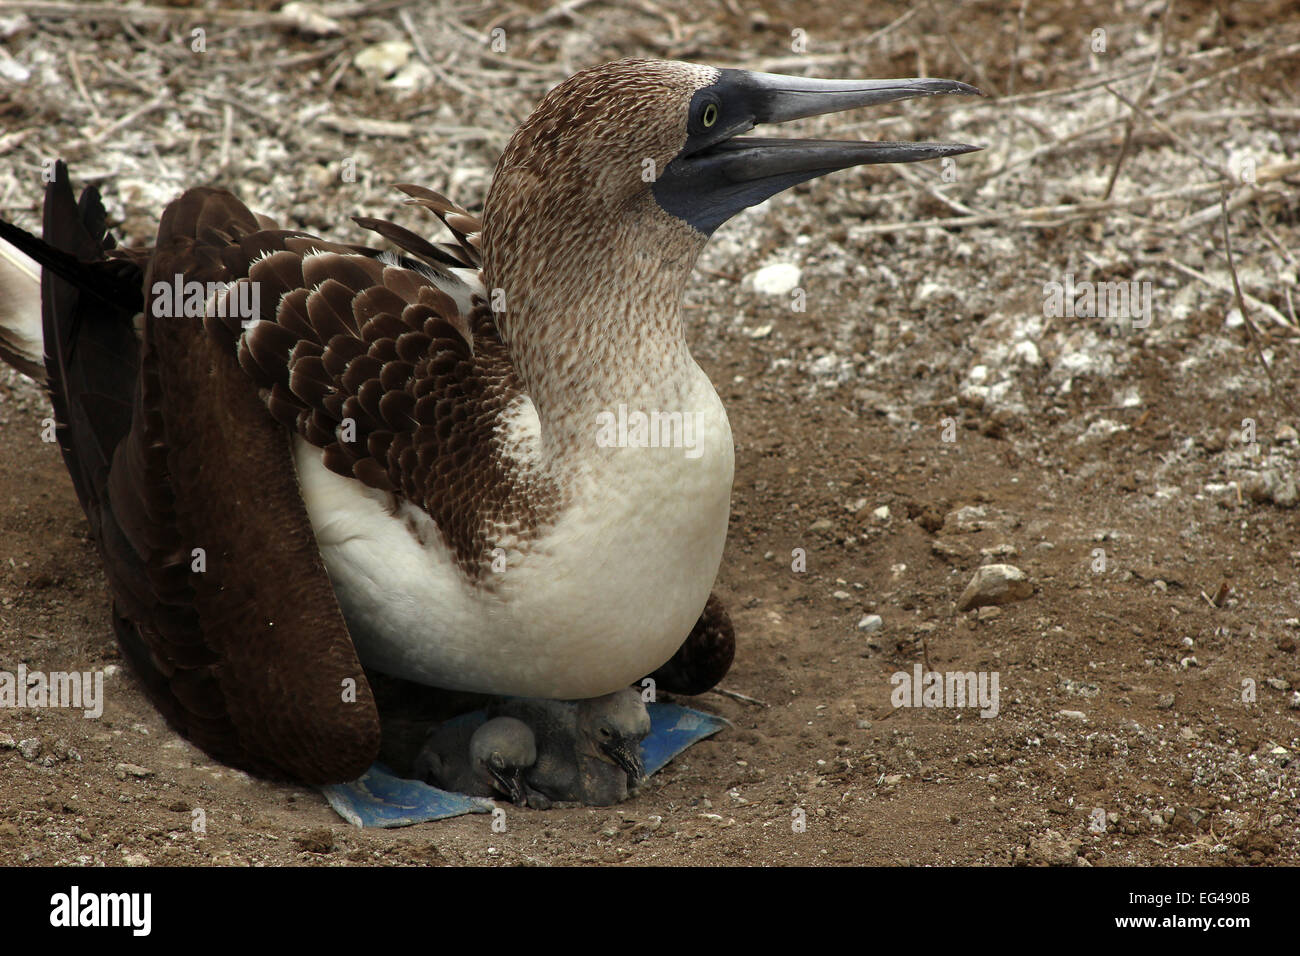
[
  {"x": 720, "y": 172},
  {"x": 627, "y": 755}
]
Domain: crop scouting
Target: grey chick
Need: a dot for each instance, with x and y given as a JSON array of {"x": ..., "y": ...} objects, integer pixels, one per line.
[
  {"x": 588, "y": 751},
  {"x": 486, "y": 759}
]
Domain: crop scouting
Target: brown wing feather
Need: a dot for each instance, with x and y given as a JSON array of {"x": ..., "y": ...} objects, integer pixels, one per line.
[
  {"x": 397, "y": 388},
  {"x": 248, "y": 657},
  {"x": 438, "y": 256},
  {"x": 464, "y": 227}
]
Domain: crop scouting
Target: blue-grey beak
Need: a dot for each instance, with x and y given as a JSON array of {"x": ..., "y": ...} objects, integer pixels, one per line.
[{"x": 719, "y": 172}]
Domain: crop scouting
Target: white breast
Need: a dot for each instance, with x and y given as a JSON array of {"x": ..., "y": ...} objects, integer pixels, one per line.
[{"x": 602, "y": 598}]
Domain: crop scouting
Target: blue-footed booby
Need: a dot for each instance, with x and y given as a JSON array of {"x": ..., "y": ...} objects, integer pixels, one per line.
[{"x": 299, "y": 455}]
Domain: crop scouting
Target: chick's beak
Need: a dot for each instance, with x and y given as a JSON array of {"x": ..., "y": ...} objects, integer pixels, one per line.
[
  {"x": 627, "y": 755},
  {"x": 511, "y": 783}
]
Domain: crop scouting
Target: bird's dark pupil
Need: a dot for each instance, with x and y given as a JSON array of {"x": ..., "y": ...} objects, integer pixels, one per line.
[{"x": 710, "y": 115}]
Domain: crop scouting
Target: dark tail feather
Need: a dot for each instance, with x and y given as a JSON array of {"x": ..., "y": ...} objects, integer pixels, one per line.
[{"x": 92, "y": 354}]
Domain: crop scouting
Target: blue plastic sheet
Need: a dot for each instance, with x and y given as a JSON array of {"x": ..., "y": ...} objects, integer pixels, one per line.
[{"x": 382, "y": 799}]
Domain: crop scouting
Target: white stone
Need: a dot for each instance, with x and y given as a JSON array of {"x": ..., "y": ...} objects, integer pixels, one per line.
[
  {"x": 780, "y": 278},
  {"x": 12, "y": 70},
  {"x": 413, "y": 76},
  {"x": 383, "y": 59},
  {"x": 995, "y": 584},
  {"x": 309, "y": 19},
  {"x": 871, "y": 623},
  {"x": 1025, "y": 352}
]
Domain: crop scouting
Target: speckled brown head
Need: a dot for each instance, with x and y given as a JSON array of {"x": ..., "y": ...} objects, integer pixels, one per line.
[
  {"x": 570, "y": 224},
  {"x": 591, "y": 140}
]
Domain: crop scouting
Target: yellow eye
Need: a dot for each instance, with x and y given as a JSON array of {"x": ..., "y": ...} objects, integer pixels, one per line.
[{"x": 710, "y": 115}]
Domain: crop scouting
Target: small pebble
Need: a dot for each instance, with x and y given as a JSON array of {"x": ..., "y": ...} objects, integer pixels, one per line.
[
  {"x": 995, "y": 584},
  {"x": 781, "y": 278},
  {"x": 383, "y": 59}
]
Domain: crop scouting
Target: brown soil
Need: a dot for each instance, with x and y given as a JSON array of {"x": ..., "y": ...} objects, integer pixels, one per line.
[{"x": 1121, "y": 690}]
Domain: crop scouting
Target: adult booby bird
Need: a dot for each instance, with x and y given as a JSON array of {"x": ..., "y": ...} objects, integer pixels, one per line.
[{"x": 404, "y": 456}]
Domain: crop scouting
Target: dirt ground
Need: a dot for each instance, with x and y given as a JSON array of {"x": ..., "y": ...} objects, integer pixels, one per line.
[{"x": 923, "y": 416}]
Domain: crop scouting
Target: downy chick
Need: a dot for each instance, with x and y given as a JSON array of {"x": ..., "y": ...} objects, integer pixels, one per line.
[
  {"x": 489, "y": 759},
  {"x": 588, "y": 751}
]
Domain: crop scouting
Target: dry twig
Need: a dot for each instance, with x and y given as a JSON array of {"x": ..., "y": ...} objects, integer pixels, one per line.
[{"x": 1245, "y": 315}]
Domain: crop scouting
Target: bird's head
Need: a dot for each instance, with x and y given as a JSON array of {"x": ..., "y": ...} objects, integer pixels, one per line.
[
  {"x": 501, "y": 752},
  {"x": 656, "y": 149},
  {"x": 614, "y": 726}
]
